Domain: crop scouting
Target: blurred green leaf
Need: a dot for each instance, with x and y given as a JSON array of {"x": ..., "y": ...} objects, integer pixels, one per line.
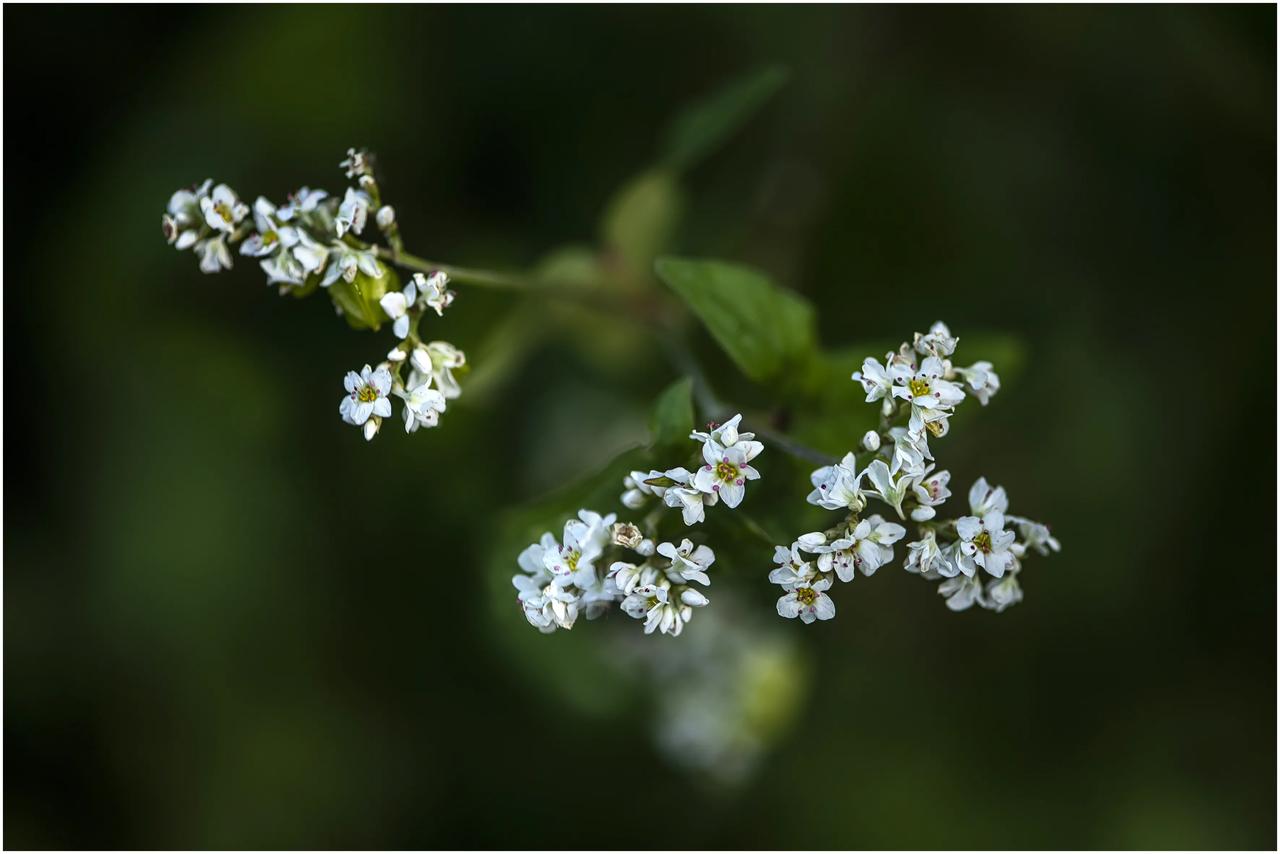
[
  {"x": 641, "y": 218},
  {"x": 569, "y": 265},
  {"x": 704, "y": 126},
  {"x": 358, "y": 298},
  {"x": 764, "y": 328},
  {"x": 672, "y": 419}
]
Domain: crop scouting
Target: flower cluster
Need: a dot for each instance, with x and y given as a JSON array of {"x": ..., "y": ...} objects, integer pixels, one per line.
[
  {"x": 581, "y": 575},
  {"x": 722, "y": 476},
  {"x": 313, "y": 241},
  {"x": 918, "y": 385}
]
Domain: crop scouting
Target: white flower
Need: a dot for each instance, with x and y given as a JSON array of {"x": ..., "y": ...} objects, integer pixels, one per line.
[
  {"x": 356, "y": 164},
  {"x": 792, "y": 569},
  {"x": 348, "y": 263},
  {"x": 808, "y": 601},
  {"x": 353, "y": 212},
  {"x": 985, "y": 543},
  {"x": 866, "y": 548},
  {"x": 932, "y": 397},
  {"x": 939, "y": 341},
  {"x": 366, "y": 395},
  {"x": 183, "y": 217},
  {"x": 930, "y": 490},
  {"x": 222, "y": 209},
  {"x": 397, "y": 304},
  {"x": 727, "y": 470},
  {"x": 213, "y": 253},
  {"x": 585, "y": 539},
  {"x": 533, "y": 586},
  {"x": 271, "y": 237},
  {"x": 726, "y": 435},
  {"x": 637, "y": 490},
  {"x": 884, "y": 487},
  {"x": 663, "y": 607},
  {"x": 1003, "y": 592},
  {"x": 371, "y": 427},
  {"x": 302, "y": 202},
  {"x": 983, "y": 499},
  {"x": 962, "y": 592},
  {"x": 924, "y": 557},
  {"x": 385, "y": 217},
  {"x": 871, "y": 440},
  {"x": 1036, "y": 535},
  {"x": 626, "y": 576},
  {"x": 687, "y": 563},
  {"x": 684, "y": 495},
  {"x": 836, "y": 487},
  {"x": 439, "y": 358},
  {"x": 877, "y": 380},
  {"x": 910, "y": 450},
  {"x": 435, "y": 291},
  {"x": 423, "y": 405},
  {"x": 982, "y": 380}
]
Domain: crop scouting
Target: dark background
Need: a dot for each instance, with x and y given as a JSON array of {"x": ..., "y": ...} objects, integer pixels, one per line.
[{"x": 230, "y": 623}]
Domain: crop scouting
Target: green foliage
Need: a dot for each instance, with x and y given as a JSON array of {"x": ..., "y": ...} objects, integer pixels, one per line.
[
  {"x": 641, "y": 218},
  {"x": 764, "y": 328},
  {"x": 704, "y": 126},
  {"x": 358, "y": 298},
  {"x": 672, "y": 418}
]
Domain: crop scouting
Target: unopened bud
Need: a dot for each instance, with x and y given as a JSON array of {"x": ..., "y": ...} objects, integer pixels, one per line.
[
  {"x": 371, "y": 427},
  {"x": 871, "y": 441},
  {"x": 386, "y": 217}
]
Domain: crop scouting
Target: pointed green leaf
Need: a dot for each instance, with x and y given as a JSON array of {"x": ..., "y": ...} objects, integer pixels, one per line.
[
  {"x": 704, "y": 126},
  {"x": 764, "y": 328},
  {"x": 672, "y": 419}
]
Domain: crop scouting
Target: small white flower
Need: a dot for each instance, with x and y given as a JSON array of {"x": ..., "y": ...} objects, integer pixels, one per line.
[
  {"x": 866, "y": 548},
  {"x": 183, "y": 218},
  {"x": 637, "y": 490},
  {"x": 356, "y": 164},
  {"x": 939, "y": 341},
  {"x": 726, "y": 470},
  {"x": 353, "y": 212},
  {"x": 684, "y": 495},
  {"x": 726, "y": 435},
  {"x": 440, "y": 358},
  {"x": 213, "y": 254},
  {"x": 663, "y": 607},
  {"x": 985, "y": 543},
  {"x": 983, "y": 499},
  {"x": 272, "y": 237},
  {"x": 837, "y": 487},
  {"x": 302, "y": 202},
  {"x": 585, "y": 539},
  {"x": 347, "y": 263},
  {"x": 397, "y": 304},
  {"x": 884, "y": 487},
  {"x": 534, "y": 585},
  {"x": 871, "y": 440},
  {"x": 371, "y": 427},
  {"x": 808, "y": 601},
  {"x": 1036, "y": 535},
  {"x": 626, "y": 576},
  {"x": 688, "y": 563},
  {"x": 962, "y": 592},
  {"x": 1003, "y": 592},
  {"x": 877, "y": 380},
  {"x": 222, "y": 209},
  {"x": 930, "y": 491},
  {"x": 423, "y": 405},
  {"x": 366, "y": 395},
  {"x": 435, "y": 291},
  {"x": 792, "y": 569},
  {"x": 982, "y": 380},
  {"x": 910, "y": 450},
  {"x": 385, "y": 217},
  {"x": 924, "y": 557},
  {"x": 932, "y": 397}
]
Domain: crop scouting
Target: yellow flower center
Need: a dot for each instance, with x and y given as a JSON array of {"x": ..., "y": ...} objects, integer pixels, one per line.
[
  {"x": 918, "y": 387},
  {"x": 367, "y": 394},
  {"x": 269, "y": 238},
  {"x": 807, "y": 596},
  {"x": 934, "y": 427},
  {"x": 726, "y": 471},
  {"x": 572, "y": 558},
  {"x": 223, "y": 210},
  {"x": 983, "y": 542}
]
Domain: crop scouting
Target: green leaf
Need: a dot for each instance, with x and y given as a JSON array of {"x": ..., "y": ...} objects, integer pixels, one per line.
[
  {"x": 764, "y": 328},
  {"x": 672, "y": 419},
  {"x": 641, "y": 218},
  {"x": 358, "y": 298},
  {"x": 704, "y": 126}
]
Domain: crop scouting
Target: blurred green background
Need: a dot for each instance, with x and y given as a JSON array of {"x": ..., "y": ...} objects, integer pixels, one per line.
[{"x": 229, "y": 622}]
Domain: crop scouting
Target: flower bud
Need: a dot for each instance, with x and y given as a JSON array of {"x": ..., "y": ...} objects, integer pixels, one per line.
[
  {"x": 371, "y": 427},
  {"x": 627, "y": 535},
  {"x": 396, "y": 355},
  {"x": 645, "y": 548},
  {"x": 871, "y": 441},
  {"x": 385, "y": 217}
]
